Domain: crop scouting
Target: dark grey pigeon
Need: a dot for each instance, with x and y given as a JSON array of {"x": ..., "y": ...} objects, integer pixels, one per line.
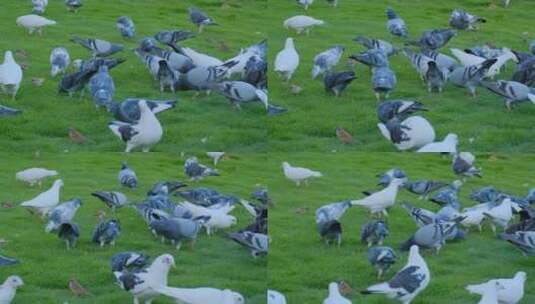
[
  {"x": 401, "y": 109},
  {"x": 178, "y": 229},
  {"x": 126, "y": 27},
  {"x": 523, "y": 240},
  {"x": 7, "y": 111},
  {"x": 448, "y": 195},
  {"x": 513, "y": 92},
  {"x": 128, "y": 280},
  {"x": 127, "y": 177},
  {"x": 106, "y": 232},
  {"x": 98, "y": 47},
  {"x": 424, "y": 187},
  {"x": 173, "y": 37},
  {"x": 337, "y": 82},
  {"x": 463, "y": 165},
  {"x": 260, "y": 225},
  {"x": 434, "y": 39},
  {"x": 166, "y": 76},
  {"x": 435, "y": 77},
  {"x": 257, "y": 243},
  {"x": 395, "y": 25},
  {"x": 525, "y": 71},
  {"x": 5, "y": 261},
  {"x": 383, "y": 82},
  {"x": 112, "y": 199},
  {"x": 165, "y": 187},
  {"x": 386, "y": 178},
  {"x": 396, "y": 131},
  {"x": 73, "y": 5},
  {"x": 197, "y": 171},
  {"x": 75, "y": 82},
  {"x": 431, "y": 236},
  {"x": 69, "y": 232},
  {"x": 255, "y": 72},
  {"x": 462, "y": 20},
  {"x": 421, "y": 216},
  {"x": 102, "y": 87},
  {"x": 207, "y": 197},
  {"x": 374, "y": 233},
  {"x": 371, "y": 58},
  {"x": 382, "y": 258},
  {"x": 128, "y": 260},
  {"x": 371, "y": 43},
  {"x": 204, "y": 78},
  {"x": 128, "y": 110},
  {"x": 332, "y": 212},
  {"x": 470, "y": 77},
  {"x": 331, "y": 232},
  {"x": 485, "y": 194},
  {"x": 261, "y": 195},
  {"x": 199, "y": 18}
]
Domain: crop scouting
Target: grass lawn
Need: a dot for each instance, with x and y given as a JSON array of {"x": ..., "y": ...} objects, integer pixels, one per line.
[
  {"x": 301, "y": 265},
  {"x": 46, "y": 266},
  {"x": 313, "y": 114},
  {"x": 47, "y": 115}
]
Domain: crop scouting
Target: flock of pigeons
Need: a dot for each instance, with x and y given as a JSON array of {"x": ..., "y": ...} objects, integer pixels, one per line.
[
  {"x": 471, "y": 68},
  {"x": 241, "y": 79},
  {"x": 169, "y": 221}
]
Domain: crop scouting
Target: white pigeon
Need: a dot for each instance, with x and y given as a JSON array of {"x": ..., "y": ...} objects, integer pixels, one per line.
[
  {"x": 202, "y": 295},
  {"x": 45, "y": 201},
  {"x": 380, "y": 200},
  {"x": 501, "y": 61},
  {"x": 147, "y": 282},
  {"x": 9, "y": 289},
  {"x": 326, "y": 60},
  {"x": 216, "y": 156},
  {"x": 287, "y": 60},
  {"x": 200, "y": 59},
  {"x": 219, "y": 217},
  {"x": 473, "y": 217},
  {"x": 10, "y": 75},
  {"x": 334, "y": 296},
  {"x": 408, "y": 282},
  {"x": 298, "y": 174},
  {"x": 34, "y": 176},
  {"x": 145, "y": 133},
  {"x": 448, "y": 145},
  {"x": 501, "y": 215},
  {"x": 34, "y": 22},
  {"x": 275, "y": 297},
  {"x": 418, "y": 130},
  {"x": 467, "y": 59},
  {"x": 301, "y": 23},
  {"x": 490, "y": 294},
  {"x": 510, "y": 291}
]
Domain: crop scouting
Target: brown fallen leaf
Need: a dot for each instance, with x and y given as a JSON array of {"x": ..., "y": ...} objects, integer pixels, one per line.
[
  {"x": 343, "y": 135},
  {"x": 77, "y": 289},
  {"x": 38, "y": 81},
  {"x": 493, "y": 158},
  {"x": 295, "y": 89},
  {"x": 345, "y": 288},
  {"x": 22, "y": 53},
  {"x": 7, "y": 205},
  {"x": 76, "y": 136}
]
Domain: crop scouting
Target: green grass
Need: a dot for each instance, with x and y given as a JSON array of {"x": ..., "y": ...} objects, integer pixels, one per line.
[
  {"x": 301, "y": 265},
  {"x": 47, "y": 115},
  {"x": 46, "y": 265},
  {"x": 313, "y": 114}
]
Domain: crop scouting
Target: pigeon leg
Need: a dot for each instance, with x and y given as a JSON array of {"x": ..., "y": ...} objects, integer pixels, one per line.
[
  {"x": 136, "y": 300},
  {"x": 201, "y": 27},
  {"x": 380, "y": 274},
  {"x": 178, "y": 245},
  {"x": 378, "y": 96}
]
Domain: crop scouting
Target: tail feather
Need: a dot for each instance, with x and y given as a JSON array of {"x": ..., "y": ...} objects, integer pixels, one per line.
[{"x": 381, "y": 288}]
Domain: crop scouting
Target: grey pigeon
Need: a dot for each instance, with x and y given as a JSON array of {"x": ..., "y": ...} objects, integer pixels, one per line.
[
  {"x": 371, "y": 58},
  {"x": 374, "y": 233},
  {"x": 150, "y": 214},
  {"x": 95, "y": 63},
  {"x": 333, "y": 3},
  {"x": 513, "y": 92},
  {"x": 98, "y": 47},
  {"x": 431, "y": 236},
  {"x": 424, "y": 187},
  {"x": 128, "y": 260},
  {"x": 127, "y": 177},
  {"x": 172, "y": 37},
  {"x": 75, "y": 82},
  {"x": 523, "y": 240},
  {"x": 443, "y": 61},
  {"x": 240, "y": 92},
  {"x": 470, "y": 76},
  {"x": 257, "y": 243},
  {"x": 73, "y": 5},
  {"x": 7, "y": 111},
  {"x": 207, "y": 197},
  {"x": 62, "y": 213},
  {"x": 262, "y": 195},
  {"x": 69, "y": 232},
  {"x": 448, "y": 195},
  {"x": 525, "y": 71},
  {"x": 397, "y": 131},
  {"x": 199, "y": 18},
  {"x": 400, "y": 109},
  {"x": 152, "y": 62},
  {"x": 383, "y": 82},
  {"x": 204, "y": 78},
  {"x": 326, "y": 60},
  {"x": 484, "y": 195},
  {"x": 333, "y": 211},
  {"x": 59, "y": 61},
  {"x": 166, "y": 76},
  {"x": 421, "y": 216},
  {"x": 434, "y": 39},
  {"x": 5, "y": 261},
  {"x": 337, "y": 82},
  {"x": 462, "y": 20},
  {"x": 371, "y": 43},
  {"x": 39, "y": 6},
  {"x": 331, "y": 232},
  {"x": 102, "y": 87},
  {"x": 106, "y": 232},
  {"x": 419, "y": 61},
  {"x": 178, "y": 229},
  {"x": 112, "y": 199},
  {"x": 463, "y": 164},
  {"x": 388, "y": 176},
  {"x": 196, "y": 171},
  {"x": 128, "y": 110},
  {"x": 382, "y": 258},
  {"x": 487, "y": 51},
  {"x": 255, "y": 72},
  {"x": 176, "y": 61},
  {"x": 165, "y": 187},
  {"x": 395, "y": 25},
  {"x": 126, "y": 27},
  {"x": 435, "y": 77}
]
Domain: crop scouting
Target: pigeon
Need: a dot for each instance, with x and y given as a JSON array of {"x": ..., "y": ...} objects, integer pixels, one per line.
[
  {"x": 435, "y": 77},
  {"x": 200, "y": 59},
  {"x": 463, "y": 164},
  {"x": 448, "y": 195},
  {"x": 63, "y": 213},
  {"x": 408, "y": 282},
  {"x": 59, "y": 60},
  {"x": 34, "y": 176},
  {"x": 484, "y": 194},
  {"x": 69, "y": 232},
  {"x": 513, "y": 92},
  {"x": 202, "y": 78},
  {"x": 523, "y": 240},
  {"x": 166, "y": 76},
  {"x": 275, "y": 297},
  {"x": 178, "y": 229},
  {"x": 257, "y": 50},
  {"x": 240, "y": 92},
  {"x": 7, "y": 111},
  {"x": 8, "y": 289},
  {"x": 467, "y": 59},
  {"x": 34, "y": 23},
  {"x": 444, "y": 62},
  {"x": 127, "y": 177},
  {"x": 330, "y": 231},
  {"x": 197, "y": 171},
  {"x": 372, "y": 58},
  {"x": 333, "y": 3},
  {"x": 334, "y": 296},
  {"x": 395, "y": 25},
  {"x": 126, "y": 27},
  {"x": 337, "y": 82},
  {"x": 388, "y": 176},
  {"x": 39, "y": 6},
  {"x": 326, "y": 60},
  {"x": 128, "y": 260},
  {"x": 379, "y": 201},
  {"x": 383, "y": 82},
  {"x": 432, "y": 236},
  {"x": 257, "y": 243},
  {"x": 255, "y": 72},
  {"x": 424, "y": 187},
  {"x": 419, "y": 62},
  {"x": 448, "y": 145},
  {"x": 199, "y": 18},
  {"x": 5, "y": 261},
  {"x": 207, "y": 197},
  {"x": 374, "y": 233},
  {"x": 421, "y": 216},
  {"x": 45, "y": 201},
  {"x": 401, "y": 109},
  {"x": 510, "y": 291},
  {"x": 298, "y": 174},
  {"x": 371, "y": 43},
  {"x": 10, "y": 75},
  {"x": 434, "y": 39},
  {"x": 150, "y": 214},
  {"x": 73, "y": 5},
  {"x": 128, "y": 110},
  {"x": 413, "y": 132},
  {"x": 102, "y": 87},
  {"x": 525, "y": 72},
  {"x": 382, "y": 258},
  {"x": 470, "y": 77},
  {"x": 462, "y": 20},
  {"x": 305, "y": 3},
  {"x": 202, "y": 295},
  {"x": 173, "y": 37},
  {"x": 215, "y": 156},
  {"x": 144, "y": 134},
  {"x": 152, "y": 62},
  {"x": 489, "y": 294},
  {"x": 165, "y": 187},
  {"x": 287, "y": 60},
  {"x": 112, "y": 199},
  {"x": 98, "y": 47},
  {"x": 93, "y": 63},
  {"x": 106, "y": 232},
  {"x": 76, "y": 81},
  {"x": 501, "y": 215},
  {"x": 301, "y": 23},
  {"x": 343, "y": 135}
]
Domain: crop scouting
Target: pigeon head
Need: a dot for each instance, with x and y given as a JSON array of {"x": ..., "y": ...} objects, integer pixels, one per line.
[
  {"x": 397, "y": 182},
  {"x": 414, "y": 252},
  {"x": 453, "y": 138},
  {"x": 289, "y": 43},
  {"x": 58, "y": 183},
  {"x": 165, "y": 260},
  {"x": 14, "y": 281},
  {"x": 143, "y": 107},
  {"x": 521, "y": 276},
  {"x": 8, "y": 56}
]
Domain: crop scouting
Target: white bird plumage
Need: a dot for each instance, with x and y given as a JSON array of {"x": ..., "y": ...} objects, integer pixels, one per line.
[
  {"x": 510, "y": 291},
  {"x": 275, "y": 297},
  {"x": 215, "y": 156},
  {"x": 34, "y": 22},
  {"x": 418, "y": 130},
  {"x": 448, "y": 145},
  {"x": 10, "y": 75},
  {"x": 287, "y": 60},
  {"x": 34, "y": 176},
  {"x": 8, "y": 289},
  {"x": 301, "y": 23},
  {"x": 45, "y": 201},
  {"x": 471, "y": 60},
  {"x": 200, "y": 59},
  {"x": 380, "y": 200},
  {"x": 298, "y": 174},
  {"x": 334, "y": 296},
  {"x": 219, "y": 217}
]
